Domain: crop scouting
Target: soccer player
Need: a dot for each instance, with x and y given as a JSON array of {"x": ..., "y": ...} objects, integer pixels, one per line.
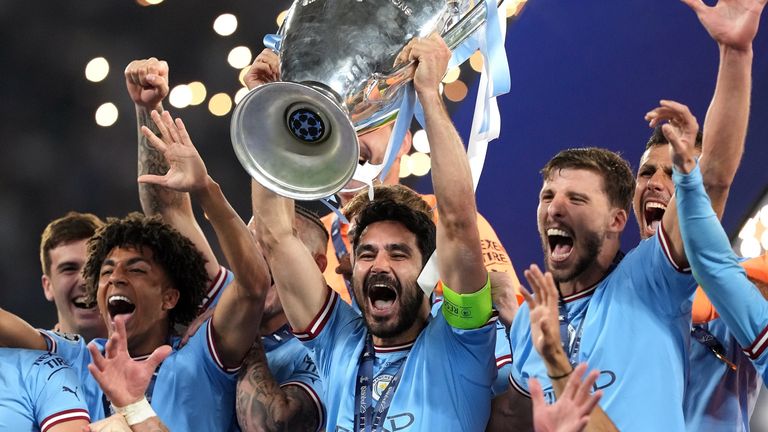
[
  {"x": 722, "y": 386},
  {"x": 394, "y": 367},
  {"x": 40, "y": 393},
  {"x": 278, "y": 383},
  {"x": 279, "y": 387},
  {"x": 62, "y": 257},
  {"x": 141, "y": 268},
  {"x": 742, "y": 304}
]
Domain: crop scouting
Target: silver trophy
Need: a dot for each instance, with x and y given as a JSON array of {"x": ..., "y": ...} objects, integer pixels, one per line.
[{"x": 298, "y": 136}]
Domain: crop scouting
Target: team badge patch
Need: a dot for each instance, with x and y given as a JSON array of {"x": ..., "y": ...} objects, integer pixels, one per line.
[
  {"x": 380, "y": 384},
  {"x": 68, "y": 336}
]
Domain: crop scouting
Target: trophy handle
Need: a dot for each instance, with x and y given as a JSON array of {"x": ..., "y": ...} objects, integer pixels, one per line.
[{"x": 381, "y": 85}]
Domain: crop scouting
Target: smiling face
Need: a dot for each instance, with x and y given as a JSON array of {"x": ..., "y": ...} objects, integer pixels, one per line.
[
  {"x": 387, "y": 263},
  {"x": 574, "y": 217},
  {"x": 131, "y": 283},
  {"x": 65, "y": 286}
]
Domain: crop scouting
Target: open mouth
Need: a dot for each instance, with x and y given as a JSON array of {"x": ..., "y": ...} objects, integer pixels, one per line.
[
  {"x": 382, "y": 292},
  {"x": 82, "y": 302},
  {"x": 653, "y": 213},
  {"x": 560, "y": 244},
  {"x": 120, "y": 305}
]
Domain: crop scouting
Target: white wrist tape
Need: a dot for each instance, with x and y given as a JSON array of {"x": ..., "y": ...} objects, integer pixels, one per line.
[{"x": 136, "y": 412}]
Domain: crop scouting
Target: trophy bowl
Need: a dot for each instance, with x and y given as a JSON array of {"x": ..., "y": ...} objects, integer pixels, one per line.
[{"x": 298, "y": 136}]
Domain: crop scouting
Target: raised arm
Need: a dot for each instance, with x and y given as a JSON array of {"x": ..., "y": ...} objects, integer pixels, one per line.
[
  {"x": 147, "y": 84},
  {"x": 545, "y": 334},
  {"x": 733, "y": 25},
  {"x": 741, "y": 306},
  {"x": 460, "y": 258},
  {"x": 17, "y": 333},
  {"x": 235, "y": 322},
  {"x": 299, "y": 282},
  {"x": 263, "y": 405}
]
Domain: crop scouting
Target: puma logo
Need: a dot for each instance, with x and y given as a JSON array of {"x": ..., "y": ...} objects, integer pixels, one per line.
[{"x": 74, "y": 392}]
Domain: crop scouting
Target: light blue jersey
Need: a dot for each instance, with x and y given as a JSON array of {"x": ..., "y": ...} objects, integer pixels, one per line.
[
  {"x": 192, "y": 391},
  {"x": 502, "y": 352},
  {"x": 291, "y": 364},
  {"x": 740, "y": 305},
  {"x": 222, "y": 280},
  {"x": 38, "y": 390},
  {"x": 718, "y": 398},
  {"x": 445, "y": 380},
  {"x": 635, "y": 330}
]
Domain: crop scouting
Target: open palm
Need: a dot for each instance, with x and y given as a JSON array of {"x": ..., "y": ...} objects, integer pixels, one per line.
[
  {"x": 731, "y": 23},
  {"x": 187, "y": 170}
]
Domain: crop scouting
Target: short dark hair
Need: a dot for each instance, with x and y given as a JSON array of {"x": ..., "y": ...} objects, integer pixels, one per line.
[
  {"x": 178, "y": 256},
  {"x": 396, "y": 192},
  {"x": 618, "y": 181},
  {"x": 417, "y": 222},
  {"x": 657, "y": 138},
  {"x": 69, "y": 228}
]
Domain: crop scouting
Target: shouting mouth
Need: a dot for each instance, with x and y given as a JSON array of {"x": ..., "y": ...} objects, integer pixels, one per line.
[
  {"x": 120, "y": 305},
  {"x": 382, "y": 293},
  {"x": 560, "y": 244},
  {"x": 653, "y": 212}
]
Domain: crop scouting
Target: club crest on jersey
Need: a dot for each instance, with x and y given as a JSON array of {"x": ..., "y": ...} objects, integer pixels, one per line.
[{"x": 380, "y": 384}]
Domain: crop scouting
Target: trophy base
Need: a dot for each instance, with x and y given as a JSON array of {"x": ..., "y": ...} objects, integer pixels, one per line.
[{"x": 295, "y": 140}]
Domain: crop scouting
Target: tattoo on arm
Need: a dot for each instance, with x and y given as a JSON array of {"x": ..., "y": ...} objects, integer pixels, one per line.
[
  {"x": 263, "y": 405},
  {"x": 153, "y": 197}
]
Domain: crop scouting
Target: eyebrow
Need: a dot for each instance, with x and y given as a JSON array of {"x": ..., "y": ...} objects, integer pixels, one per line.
[
  {"x": 64, "y": 264},
  {"x": 130, "y": 261}
]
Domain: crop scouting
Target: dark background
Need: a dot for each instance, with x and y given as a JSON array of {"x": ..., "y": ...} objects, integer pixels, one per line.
[{"x": 583, "y": 73}]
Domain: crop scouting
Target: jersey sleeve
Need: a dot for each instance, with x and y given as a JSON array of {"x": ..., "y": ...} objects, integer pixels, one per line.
[
  {"x": 222, "y": 280},
  {"x": 305, "y": 377},
  {"x": 56, "y": 392},
  {"x": 70, "y": 347},
  {"x": 741, "y": 306},
  {"x": 503, "y": 360}
]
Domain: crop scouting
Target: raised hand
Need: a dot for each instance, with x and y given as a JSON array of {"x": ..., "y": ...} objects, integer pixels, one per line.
[
  {"x": 147, "y": 82},
  {"x": 731, "y": 23},
  {"x": 680, "y": 130},
  {"x": 265, "y": 69},
  {"x": 545, "y": 327},
  {"x": 187, "y": 170},
  {"x": 431, "y": 55},
  {"x": 123, "y": 379},
  {"x": 570, "y": 413}
]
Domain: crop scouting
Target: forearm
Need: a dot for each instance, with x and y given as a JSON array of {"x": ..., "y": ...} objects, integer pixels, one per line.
[
  {"x": 17, "y": 333},
  {"x": 174, "y": 207},
  {"x": 299, "y": 282},
  {"x": 150, "y": 425},
  {"x": 459, "y": 253},
  {"x": 236, "y": 241},
  {"x": 714, "y": 264},
  {"x": 725, "y": 126},
  {"x": 262, "y": 405}
]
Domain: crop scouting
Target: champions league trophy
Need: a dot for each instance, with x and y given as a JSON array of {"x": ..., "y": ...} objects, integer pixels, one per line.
[{"x": 298, "y": 137}]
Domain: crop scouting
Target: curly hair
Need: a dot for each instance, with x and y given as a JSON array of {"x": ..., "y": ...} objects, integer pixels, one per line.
[
  {"x": 417, "y": 222},
  {"x": 182, "y": 262},
  {"x": 618, "y": 181}
]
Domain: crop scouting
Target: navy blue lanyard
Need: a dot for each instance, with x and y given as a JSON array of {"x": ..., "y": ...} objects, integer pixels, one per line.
[
  {"x": 701, "y": 334},
  {"x": 368, "y": 418},
  {"x": 571, "y": 349},
  {"x": 277, "y": 338},
  {"x": 341, "y": 251}
]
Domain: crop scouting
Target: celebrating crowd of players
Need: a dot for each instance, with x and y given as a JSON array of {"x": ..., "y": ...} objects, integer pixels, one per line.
[{"x": 324, "y": 324}]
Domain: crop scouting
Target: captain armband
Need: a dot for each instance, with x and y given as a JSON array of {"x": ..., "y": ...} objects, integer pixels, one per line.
[{"x": 467, "y": 311}]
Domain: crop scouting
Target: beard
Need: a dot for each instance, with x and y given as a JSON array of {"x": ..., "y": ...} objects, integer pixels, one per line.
[
  {"x": 410, "y": 298},
  {"x": 593, "y": 243}
]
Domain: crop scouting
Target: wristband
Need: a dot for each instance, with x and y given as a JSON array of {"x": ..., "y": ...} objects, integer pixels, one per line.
[
  {"x": 467, "y": 311},
  {"x": 565, "y": 375},
  {"x": 136, "y": 412}
]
